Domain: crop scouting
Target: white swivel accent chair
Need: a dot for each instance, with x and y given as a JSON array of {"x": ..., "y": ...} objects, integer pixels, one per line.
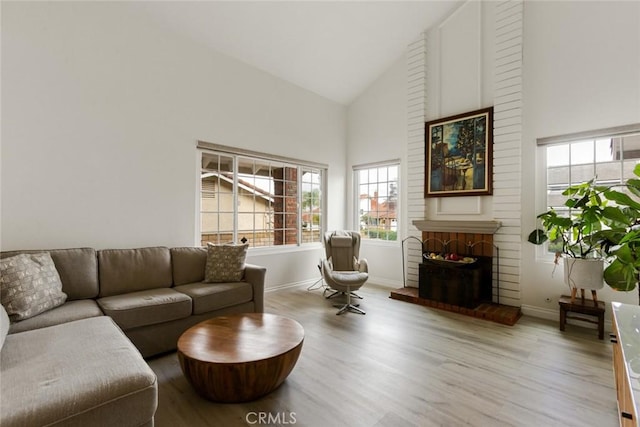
[{"x": 342, "y": 270}]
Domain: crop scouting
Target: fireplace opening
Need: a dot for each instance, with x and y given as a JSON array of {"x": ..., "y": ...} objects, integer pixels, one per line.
[{"x": 455, "y": 273}]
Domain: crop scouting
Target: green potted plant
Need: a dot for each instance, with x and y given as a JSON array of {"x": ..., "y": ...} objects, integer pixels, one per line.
[
  {"x": 579, "y": 238},
  {"x": 604, "y": 223},
  {"x": 622, "y": 273}
]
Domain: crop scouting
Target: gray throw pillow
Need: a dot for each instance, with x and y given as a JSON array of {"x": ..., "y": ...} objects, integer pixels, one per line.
[
  {"x": 4, "y": 325},
  {"x": 29, "y": 285},
  {"x": 225, "y": 263}
]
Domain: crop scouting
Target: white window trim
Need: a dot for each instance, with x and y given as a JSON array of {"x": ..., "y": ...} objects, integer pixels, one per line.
[
  {"x": 542, "y": 253},
  {"x": 356, "y": 202},
  {"x": 208, "y": 147},
  {"x": 591, "y": 134}
]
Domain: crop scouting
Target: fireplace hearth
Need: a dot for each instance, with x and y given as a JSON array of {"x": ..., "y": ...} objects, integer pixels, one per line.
[{"x": 471, "y": 288}]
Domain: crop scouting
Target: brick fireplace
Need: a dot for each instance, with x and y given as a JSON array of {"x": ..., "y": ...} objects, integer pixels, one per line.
[
  {"x": 462, "y": 284},
  {"x": 469, "y": 288}
]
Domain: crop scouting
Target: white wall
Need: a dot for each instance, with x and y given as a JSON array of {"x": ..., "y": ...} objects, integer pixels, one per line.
[
  {"x": 377, "y": 131},
  {"x": 460, "y": 79},
  {"x": 582, "y": 72},
  {"x": 101, "y": 110}
]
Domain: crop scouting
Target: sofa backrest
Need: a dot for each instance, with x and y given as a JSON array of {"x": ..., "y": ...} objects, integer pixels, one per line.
[
  {"x": 188, "y": 264},
  {"x": 130, "y": 270},
  {"x": 78, "y": 270}
]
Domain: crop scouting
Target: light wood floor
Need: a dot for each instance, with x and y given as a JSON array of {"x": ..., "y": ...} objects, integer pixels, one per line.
[{"x": 407, "y": 365}]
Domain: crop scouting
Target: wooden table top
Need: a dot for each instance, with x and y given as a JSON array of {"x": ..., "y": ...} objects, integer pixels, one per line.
[{"x": 240, "y": 338}]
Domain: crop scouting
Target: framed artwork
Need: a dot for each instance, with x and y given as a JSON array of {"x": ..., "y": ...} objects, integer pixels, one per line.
[{"x": 459, "y": 155}]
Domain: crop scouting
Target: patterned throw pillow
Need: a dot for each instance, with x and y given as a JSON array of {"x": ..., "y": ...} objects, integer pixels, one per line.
[
  {"x": 225, "y": 263},
  {"x": 29, "y": 285},
  {"x": 4, "y": 325}
]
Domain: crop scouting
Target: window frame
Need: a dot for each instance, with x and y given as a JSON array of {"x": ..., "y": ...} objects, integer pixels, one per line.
[
  {"x": 356, "y": 169},
  {"x": 542, "y": 144},
  {"x": 239, "y": 155}
]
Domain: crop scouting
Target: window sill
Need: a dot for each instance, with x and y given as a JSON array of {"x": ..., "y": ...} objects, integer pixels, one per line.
[
  {"x": 272, "y": 250},
  {"x": 381, "y": 243}
]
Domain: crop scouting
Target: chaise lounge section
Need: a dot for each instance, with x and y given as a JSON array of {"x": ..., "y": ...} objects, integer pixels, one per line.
[{"x": 80, "y": 373}]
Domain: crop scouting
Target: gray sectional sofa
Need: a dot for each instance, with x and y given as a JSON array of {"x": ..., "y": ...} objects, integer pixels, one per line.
[{"x": 81, "y": 363}]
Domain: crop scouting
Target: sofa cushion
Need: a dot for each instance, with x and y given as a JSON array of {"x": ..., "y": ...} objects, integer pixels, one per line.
[
  {"x": 148, "y": 307},
  {"x": 82, "y": 373},
  {"x": 130, "y": 270},
  {"x": 188, "y": 264},
  {"x": 4, "y": 325},
  {"x": 29, "y": 285},
  {"x": 67, "y": 312},
  {"x": 225, "y": 263},
  {"x": 78, "y": 270},
  {"x": 214, "y": 296}
]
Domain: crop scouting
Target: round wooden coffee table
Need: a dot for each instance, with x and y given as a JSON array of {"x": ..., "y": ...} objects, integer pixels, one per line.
[{"x": 241, "y": 357}]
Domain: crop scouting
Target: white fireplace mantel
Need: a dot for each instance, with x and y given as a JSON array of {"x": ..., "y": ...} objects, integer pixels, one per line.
[{"x": 470, "y": 226}]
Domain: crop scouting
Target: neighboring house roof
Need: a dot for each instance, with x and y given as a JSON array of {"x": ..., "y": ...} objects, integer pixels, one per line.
[
  {"x": 386, "y": 209},
  {"x": 228, "y": 178},
  {"x": 261, "y": 193}
]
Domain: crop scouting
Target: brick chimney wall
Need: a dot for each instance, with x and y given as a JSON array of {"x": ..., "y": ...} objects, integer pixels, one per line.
[{"x": 286, "y": 206}]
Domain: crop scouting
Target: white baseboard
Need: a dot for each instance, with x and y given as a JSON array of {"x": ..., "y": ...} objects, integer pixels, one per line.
[
  {"x": 385, "y": 282},
  {"x": 290, "y": 285},
  {"x": 539, "y": 312},
  {"x": 554, "y": 315},
  {"x": 372, "y": 279},
  {"x": 527, "y": 310}
]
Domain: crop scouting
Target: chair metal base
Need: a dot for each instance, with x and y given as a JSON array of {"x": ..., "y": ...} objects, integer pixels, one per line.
[
  {"x": 348, "y": 307},
  {"x": 353, "y": 294}
]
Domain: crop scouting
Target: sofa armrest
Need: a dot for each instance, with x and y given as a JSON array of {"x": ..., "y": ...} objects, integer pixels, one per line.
[
  {"x": 254, "y": 274},
  {"x": 361, "y": 265}
]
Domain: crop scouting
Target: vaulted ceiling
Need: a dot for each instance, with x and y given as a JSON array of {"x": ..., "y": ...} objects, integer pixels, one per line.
[{"x": 333, "y": 48}]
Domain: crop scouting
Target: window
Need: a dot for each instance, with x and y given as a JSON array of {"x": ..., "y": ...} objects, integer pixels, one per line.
[
  {"x": 377, "y": 200},
  {"x": 608, "y": 156},
  {"x": 264, "y": 201}
]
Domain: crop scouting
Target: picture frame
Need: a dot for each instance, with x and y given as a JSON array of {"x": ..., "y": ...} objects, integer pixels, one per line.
[{"x": 459, "y": 155}]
